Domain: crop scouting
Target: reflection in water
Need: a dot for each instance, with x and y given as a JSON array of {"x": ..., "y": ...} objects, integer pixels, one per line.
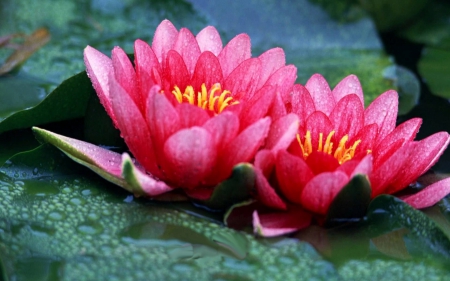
[{"x": 184, "y": 243}]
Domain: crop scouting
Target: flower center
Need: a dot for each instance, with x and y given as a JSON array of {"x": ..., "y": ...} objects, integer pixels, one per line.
[
  {"x": 215, "y": 99},
  {"x": 341, "y": 153}
]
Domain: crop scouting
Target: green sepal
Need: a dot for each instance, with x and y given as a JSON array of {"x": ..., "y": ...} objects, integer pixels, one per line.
[
  {"x": 237, "y": 188},
  {"x": 351, "y": 202}
]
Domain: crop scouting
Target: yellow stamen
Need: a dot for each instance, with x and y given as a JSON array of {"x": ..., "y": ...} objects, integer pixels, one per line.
[
  {"x": 215, "y": 100},
  {"x": 341, "y": 153}
]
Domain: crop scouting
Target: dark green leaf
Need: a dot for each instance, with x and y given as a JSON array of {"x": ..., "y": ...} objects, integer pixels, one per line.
[
  {"x": 425, "y": 239},
  {"x": 351, "y": 202},
  {"x": 67, "y": 101},
  {"x": 237, "y": 188}
]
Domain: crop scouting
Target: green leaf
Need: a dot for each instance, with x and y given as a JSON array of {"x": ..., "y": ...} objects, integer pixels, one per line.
[
  {"x": 392, "y": 244},
  {"x": 67, "y": 101},
  {"x": 350, "y": 203},
  {"x": 425, "y": 238},
  {"x": 98, "y": 126},
  {"x": 235, "y": 189},
  {"x": 434, "y": 66}
]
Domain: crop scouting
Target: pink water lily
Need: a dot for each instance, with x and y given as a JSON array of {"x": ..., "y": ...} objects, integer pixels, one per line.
[
  {"x": 189, "y": 109},
  {"x": 337, "y": 138}
]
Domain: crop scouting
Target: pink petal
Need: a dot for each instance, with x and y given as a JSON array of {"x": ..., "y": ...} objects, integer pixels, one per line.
[
  {"x": 207, "y": 71},
  {"x": 364, "y": 167},
  {"x": 357, "y": 167},
  {"x": 125, "y": 75},
  {"x": 242, "y": 81},
  {"x": 430, "y": 195},
  {"x": 223, "y": 127},
  {"x": 271, "y": 60},
  {"x": 406, "y": 131},
  {"x": 133, "y": 127},
  {"x": 282, "y": 132},
  {"x": 258, "y": 106},
  {"x": 321, "y": 93},
  {"x": 321, "y": 190},
  {"x": 99, "y": 67},
  {"x": 105, "y": 159},
  {"x": 347, "y": 117},
  {"x": 191, "y": 115},
  {"x": 367, "y": 135},
  {"x": 162, "y": 118},
  {"x": 292, "y": 174},
  {"x": 234, "y": 53},
  {"x": 145, "y": 61},
  {"x": 266, "y": 194},
  {"x": 208, "y": 39},
  {"x": 445, "y": 142},
  {"x": 424, "y": 154},
  {"x": 318, "y": 123},
  {"x": 164, "y": 39},
  {"x": 175, "y": 73},
  {"x": 383, "y": 111},
  {"x": 278, "y": 108},
  {"x": 348, "y": 85},
  {"x": 190, "y": 155},
  {"x": 187, "y": 47},
  {"x": 242, "y": 149},
  {"x": 265, "y": 161},
  {"x": 276, "y": 224},
  {"x": 284, "y": 79},
  {"x": 301, "y": 102},
  {"x": 147, "y": 183},
  {"x": 383, "y": 175}
]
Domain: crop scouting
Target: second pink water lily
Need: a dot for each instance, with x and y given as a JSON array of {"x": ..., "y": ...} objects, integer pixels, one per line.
[{"x": 336, "y": 140}]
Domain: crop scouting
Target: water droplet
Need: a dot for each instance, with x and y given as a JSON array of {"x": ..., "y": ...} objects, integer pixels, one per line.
[
  {"x": 77, "y": 201},
  {"x": 93, "y": 216},
  {"x": 67, "y": 190},
  {"x": 90, "y": 227},
  {"x": 35, "y": 171},
  {"x": 89, "y": 192},
  {"x": 56, "y": 216}
]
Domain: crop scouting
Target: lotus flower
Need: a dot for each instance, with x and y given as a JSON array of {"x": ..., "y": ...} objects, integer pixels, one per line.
[
  {"x": 189, "y": 109},
  {"x": 337, "y": 139}
]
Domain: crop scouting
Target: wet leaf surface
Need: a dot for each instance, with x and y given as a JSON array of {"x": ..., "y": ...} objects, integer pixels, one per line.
[{"x": 67, "y": 224}]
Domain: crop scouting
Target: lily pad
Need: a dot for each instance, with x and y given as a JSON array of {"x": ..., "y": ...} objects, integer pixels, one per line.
[
  {"x": 87, "y": 228},
  {"x": 425, "y": 239},
  {"x": 434, "y": 66},
  {"x": 67, "y": 101}
]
